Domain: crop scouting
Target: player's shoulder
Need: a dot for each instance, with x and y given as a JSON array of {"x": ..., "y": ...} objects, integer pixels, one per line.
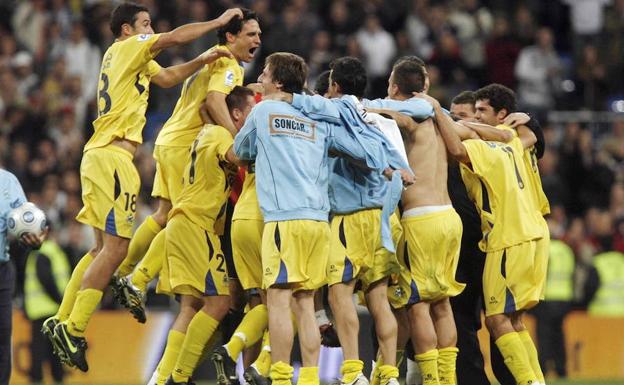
[{"x": 8, "y": 177}]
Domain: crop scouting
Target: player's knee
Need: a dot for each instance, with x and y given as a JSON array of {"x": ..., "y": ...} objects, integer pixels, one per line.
[{"x": 497, "y": 324}]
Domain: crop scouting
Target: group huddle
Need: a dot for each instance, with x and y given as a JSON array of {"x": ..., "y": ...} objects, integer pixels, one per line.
[{"x": 341, "y": 195}]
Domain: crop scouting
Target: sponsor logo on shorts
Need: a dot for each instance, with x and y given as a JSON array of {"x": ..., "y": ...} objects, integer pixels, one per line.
[
  {"x": 267, "y": 271},
  {"x": 333, "y": 269},
  {"x": 399, "y": 292},
  {"x": 493, "y": 300},
  {"x": 292, "y": 126},
  {"x": 130, "y": 219}
]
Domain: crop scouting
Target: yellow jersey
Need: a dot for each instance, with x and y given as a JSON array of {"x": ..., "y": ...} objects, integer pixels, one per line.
[
  {"x": 496, "y": 181},
  {"x": 207, "y": 178},
  {"x": 185, "y": 122},
  {"x": 534, "y": 179},
  {"x": 127, "y": 68},
  {"x": 247, "y": 206}
]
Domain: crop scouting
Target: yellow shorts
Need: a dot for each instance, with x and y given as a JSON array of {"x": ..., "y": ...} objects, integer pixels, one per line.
[
  {"x": 509, "y": 279},
  {"x": 246, "y": 246},
  {"x": 399, "y": 287},
  {"x": 542, "y": 251},
  {"x": 295, "y": 252},
  {"x": 110, "y": 184},
  {"x": 194, "y": 263},
  {"x": 433, "y": 241},
  {"x": 170, "y": 164},
  {"x": 354, "y": 240},
  {"x": 385, "y": 264}
]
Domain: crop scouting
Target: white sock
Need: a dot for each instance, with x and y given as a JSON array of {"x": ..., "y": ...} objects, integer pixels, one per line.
[{"x": 321, "y": 317}]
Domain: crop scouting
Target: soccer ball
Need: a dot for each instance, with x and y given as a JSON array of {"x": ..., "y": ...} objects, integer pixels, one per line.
[{"x": 27, "y": 218}]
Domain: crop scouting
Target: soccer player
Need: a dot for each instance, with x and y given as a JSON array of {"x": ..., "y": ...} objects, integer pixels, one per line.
[
  {"x": 357, "y": 250},
  {"x": 290, "y": 151},
  {"x": 195, "y": 265},
  {"x": 201, "y": 101},
  {"x": 110, "y": 181},
  {"x": 495, "y": 177},
  {"x": 432, "y": 231}
]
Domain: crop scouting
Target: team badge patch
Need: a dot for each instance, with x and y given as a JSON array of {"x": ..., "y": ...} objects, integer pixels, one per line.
[
  {"x": 144, "y": 37},
  {"x": 229, "y": 78}
]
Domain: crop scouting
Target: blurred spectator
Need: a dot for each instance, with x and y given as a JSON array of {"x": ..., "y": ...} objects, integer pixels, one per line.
[
  {"x": 524, "y": 25},
  {"x": 592, "y": 75},
  {"x": 501, "y": 53},
  {"x": 26, "y": 78},
  {"x": 29, "y": 21},
  {"x": 587, "y": 18},
  {"x": 378, "y": 49},
  {"x": 538, "y": 71},
  {"x": 82, "y": 59},
  {"x": 320, "y": 54},
  {"x": 417, "y": 30}
]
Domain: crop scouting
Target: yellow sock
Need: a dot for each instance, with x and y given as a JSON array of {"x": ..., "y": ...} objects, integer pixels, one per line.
[
  {"x": 170, "y": 355},
  {"x": 428, "y": 364},
  {"x": 375, "y": 379},
  {"x": 69, "y": 295},
  {"x": 515, "y": 357},
  {"x": 529, "y": 346},
  {"x": 282, "y": 373},
  {"x": 387, "y": 372},
  {"x": 151, "y": 264},
  {"x": 86, "y": 302},
  {"x": 308, "y": 375},
  {"x": 249, "y": 331},
  {"x": 200, "y": 330},
  {"x": 447, "y": 358},
  {"x": 139, "y": 244},
  {"x": 263, "y": 362},
  {"x": 350, "y": 370}
]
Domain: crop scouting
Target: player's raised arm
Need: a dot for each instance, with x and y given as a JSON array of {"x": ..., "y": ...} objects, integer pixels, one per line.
[
  {"x": 405, "y": 123},
  {"x": 189, "y": 32},
  {"x": 487, "y": 132},
  {"x": 174, "y": 75}
]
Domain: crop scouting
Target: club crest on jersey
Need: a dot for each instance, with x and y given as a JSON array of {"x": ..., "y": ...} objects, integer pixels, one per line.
[
  {"x": 144, "y": 37},
  {"x": 229, "y": 78},
  {"x": 292, "y": 126}
]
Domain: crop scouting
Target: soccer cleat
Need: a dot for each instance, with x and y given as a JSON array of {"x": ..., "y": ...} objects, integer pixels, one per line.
[
  {"x": 225, "y": 366},
  {"x": 133, "y": 299},
  {"x": 117, "y": 288},
  {"x": 73, "y": 347},
  {"x": 48, "y": 331},
  {"x": 329, "y": 337},
  {"x": 253, "y": 377},
  {"x": 360, "y": 380}
]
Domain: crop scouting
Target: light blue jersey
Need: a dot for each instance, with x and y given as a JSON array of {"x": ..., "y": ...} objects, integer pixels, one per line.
[
  {"x": 417, "y": 108},
  {"x": 351, "y": 189},
  {"x": 11, "y": 196},
  {"x": 291, "y": 154}
]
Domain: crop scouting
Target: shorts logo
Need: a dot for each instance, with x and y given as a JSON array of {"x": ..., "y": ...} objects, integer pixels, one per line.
[
  {"x": 229, "y": 78},
  {"x": 493, "y": 300},
  {"x": 144, "y": 37},
  {"x": 292, "y": 126},
  {"x": 332, "y": 268},
  {"x": 267, "y": 271},
  {"x": 398, "y": 292},
  {"x": 130, "y": 219}
]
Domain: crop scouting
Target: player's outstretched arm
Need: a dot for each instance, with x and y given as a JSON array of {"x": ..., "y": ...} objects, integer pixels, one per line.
[
  {"x": 189, "y": 32},
  {"x": 231, "y": 157},
  {"x": 174, "y": 75},
  {"x": 406, "y": 123},
  {"x": 527, "y": 137},
  {"x": 216, "y": 111},
  {"x": 487, "y": 132}
]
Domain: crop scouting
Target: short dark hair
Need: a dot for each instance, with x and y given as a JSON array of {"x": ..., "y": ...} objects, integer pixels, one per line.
[
  {"x": 237, "y": 98},
  {"x": 349, "y": 73},
  {"x": 322, "y": 83},
  {"x": 125, "y": 13},
  {"x": 409, "y": 74},
  {"x": 235, "y": 25},
  {"x": 498, "y": 96},
  {"x": 465, "y": 97},
  {"x": 288, "y": 69}
]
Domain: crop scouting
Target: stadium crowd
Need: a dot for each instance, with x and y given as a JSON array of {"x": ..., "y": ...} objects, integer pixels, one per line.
[{"x": 556, "y": 55}]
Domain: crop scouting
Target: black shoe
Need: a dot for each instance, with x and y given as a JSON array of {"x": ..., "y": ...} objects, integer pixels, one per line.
[
  {"x": 225, "y": 366},
  {"x": 117, "y": 288},
  {"x": 48, "y": 331},
  {"x": 73, "y": 347},
  {"x": 253, "y": 377},
  {"x": 133, "y": 299},
  {"x": 171, "y": 382},
  {"x": 329, "y": 337}
]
